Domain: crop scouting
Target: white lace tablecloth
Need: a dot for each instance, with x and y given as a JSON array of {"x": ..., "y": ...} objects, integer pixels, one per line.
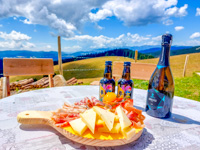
[{"x": 181, "y": 131}]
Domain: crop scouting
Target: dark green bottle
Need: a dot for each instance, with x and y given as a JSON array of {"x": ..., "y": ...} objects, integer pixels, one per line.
[{"x": 161, "y": 84}]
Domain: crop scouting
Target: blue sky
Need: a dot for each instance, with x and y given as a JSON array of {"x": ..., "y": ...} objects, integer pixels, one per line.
[{"x": 87, "y": 25}]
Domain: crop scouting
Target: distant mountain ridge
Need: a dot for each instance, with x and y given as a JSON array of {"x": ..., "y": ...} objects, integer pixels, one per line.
[
  {"x": 54, "y": 54},
  {"x": 173, "y": 52},
  {"x": 155, "y": 49},
  {"x": 149, "y": 51}
]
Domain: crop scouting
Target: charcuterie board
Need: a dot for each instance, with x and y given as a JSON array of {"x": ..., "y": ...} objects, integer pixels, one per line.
[{"x": 97, "y": 139}]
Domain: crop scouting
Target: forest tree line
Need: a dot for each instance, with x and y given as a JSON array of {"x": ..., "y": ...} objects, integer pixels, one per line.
[{"x": 116, "y": 52}]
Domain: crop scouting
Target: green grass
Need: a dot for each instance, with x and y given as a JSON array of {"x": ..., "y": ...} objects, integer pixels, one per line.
[
  {"x": 140, "y": 84},
  {"x": 188, "y": 87}
]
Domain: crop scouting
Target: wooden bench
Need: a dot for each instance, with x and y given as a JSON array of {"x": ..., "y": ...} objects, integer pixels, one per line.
[
  {"x": 27, "y": 67},
  {"x": 142, "y": 71}
]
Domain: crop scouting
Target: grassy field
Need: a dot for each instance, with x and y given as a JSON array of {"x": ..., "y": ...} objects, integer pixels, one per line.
[{"x": 188, "y": 87}]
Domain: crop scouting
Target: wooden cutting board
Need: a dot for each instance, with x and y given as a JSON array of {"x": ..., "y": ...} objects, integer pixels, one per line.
[{"x": 44, "y": 117}]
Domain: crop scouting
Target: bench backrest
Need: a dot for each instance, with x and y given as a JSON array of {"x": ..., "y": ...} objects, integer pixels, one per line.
[
  {"x": 141, "y": 71},
  {"x": 26, "y": 67},
  {"x": 23, "y": 67}
]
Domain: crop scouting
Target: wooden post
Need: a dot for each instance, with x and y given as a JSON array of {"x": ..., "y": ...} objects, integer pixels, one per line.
[
  {"x": 185, "y": 66},
  {"x": 59, "y": 57},
  {"x": 51, "y": 84},
  {"x": 136, "y": 55},
  {"x": 6, "y": 86}
]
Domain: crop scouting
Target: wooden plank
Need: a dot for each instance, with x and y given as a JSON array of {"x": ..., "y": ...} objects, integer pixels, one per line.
[
  {"x": 141, "y": 71},
  {"x": 44, "y": 117},
  {"x": 25, "y": 66},
  {"x": 185, "y": 65},
  {"x": 136, "y": 55},
  {"x": 60, "y": 57}
]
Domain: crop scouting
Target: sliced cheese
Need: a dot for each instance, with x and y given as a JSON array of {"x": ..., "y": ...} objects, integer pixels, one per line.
[
  {"x": 116, "y": 119},
  {"x": 116, "y": 129},
  {"x": 100, "y": 123},
  {"x": 123, "y": 119},
  {"x": 78, "y": 126},
  {"x": 89, "y": 118},
  {"x": 128, "y": 133},
  {"x": 107, "y": 116}
]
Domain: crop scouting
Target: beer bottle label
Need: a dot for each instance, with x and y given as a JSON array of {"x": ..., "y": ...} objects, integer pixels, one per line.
[
  {"x": 105, "y": 88},
  {"x": 159, "y": 104},
  {"x": 120, "y": 92},
  {"x": 128, "y": 91},
  {"x": 102, "y": 93},
  {"x": 124, "y": 91}
]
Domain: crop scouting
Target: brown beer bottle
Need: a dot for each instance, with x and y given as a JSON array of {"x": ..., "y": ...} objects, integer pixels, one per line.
[
  {"x": 107, "y": 84},
  {"x": 125, "y": 84}
]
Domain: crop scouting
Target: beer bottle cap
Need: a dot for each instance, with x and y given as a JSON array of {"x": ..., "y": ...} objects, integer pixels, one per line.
[
  {"x": 127, "y": 63},
  {"x": 167, "y": 39},
  {"x": 108, "y": 63}
]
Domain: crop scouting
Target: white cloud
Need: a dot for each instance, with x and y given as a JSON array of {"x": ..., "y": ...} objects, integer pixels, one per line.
[
  {"x": 178, "y": 28},
  {"x": 26, "y": 21},
  {"x": 98, "y": 26},
  {"x": 72, "y": 49},
  {"x": 6, "y": 45},
  {"x": 15, "y": 40},
  {"x": 67, "y": 16},
  {"x": 1, "y": 25},
  {"x": 15, "y": 18},
  {"x": 134, "y": 12},
  {"x": 195, "y": 35},
  {"x": 100, "y": 15},
  {"x": 87, "y": 42},
  {"x": 13, "y": 35},
  {"x": 48, "y": 46},
  {"x": 157, "y": 38},
  {"x": 198, "y": 12},
  {"x": 177, "y": 12},
  {"x": 168, "y": 22},
  {"x": 192, "y": 43},
  {"x": 28, "y": 45}
]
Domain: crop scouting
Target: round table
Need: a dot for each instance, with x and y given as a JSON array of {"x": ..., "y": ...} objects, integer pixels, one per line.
[{"x": 181, "y": 131}]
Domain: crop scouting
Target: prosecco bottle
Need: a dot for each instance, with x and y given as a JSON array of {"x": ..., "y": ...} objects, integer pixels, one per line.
[
  {"x": 107, "y": 84},
  {"x": 125, "y": 84},
  {"x": 161, "y": 84}
]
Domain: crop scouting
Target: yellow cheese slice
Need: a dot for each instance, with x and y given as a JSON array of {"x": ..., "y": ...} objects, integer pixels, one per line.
[
  {"x": 99, "y": 135},
  {"x": 128, "y": 133},
  {"x": 89, "y": 118},
  {"x": 116, "y": 119},
  {"x": 116, "y": 128},
  {"x": 107, "y": 116},
  {"x": 123, "y": 119},
  {"x": 100, "y": 122},
  {"x": 78, "y": 126}
]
